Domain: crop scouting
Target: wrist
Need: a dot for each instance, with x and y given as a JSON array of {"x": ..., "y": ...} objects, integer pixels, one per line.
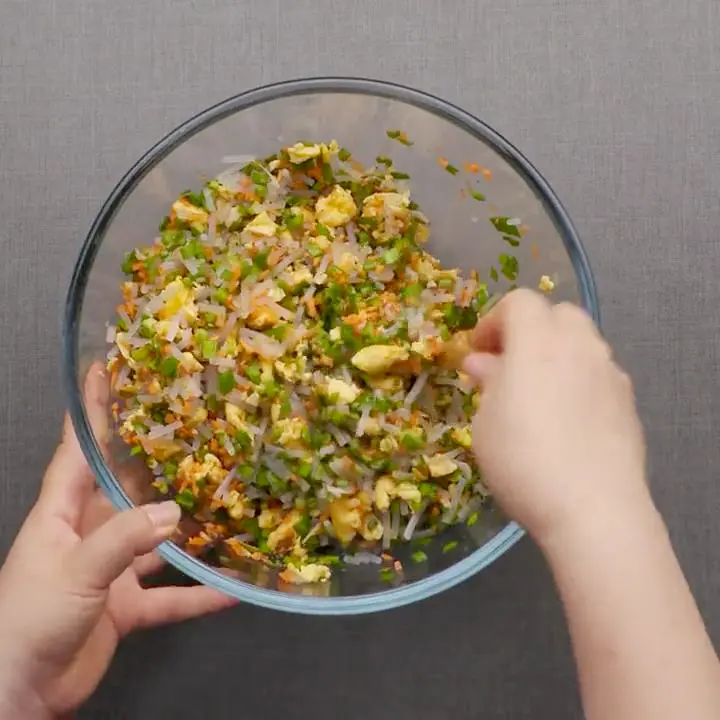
[{"x": 615, "y": 519}]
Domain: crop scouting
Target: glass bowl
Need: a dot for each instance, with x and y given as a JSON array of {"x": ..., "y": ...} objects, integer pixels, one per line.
[{"x": 358, "y": 113}]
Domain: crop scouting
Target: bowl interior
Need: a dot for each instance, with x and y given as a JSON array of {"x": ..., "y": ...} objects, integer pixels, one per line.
[{"x": 358, "y": 115}]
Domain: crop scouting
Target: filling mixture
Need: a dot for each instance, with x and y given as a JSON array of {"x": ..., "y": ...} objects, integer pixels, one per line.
[{"x": 275, "y": 364}]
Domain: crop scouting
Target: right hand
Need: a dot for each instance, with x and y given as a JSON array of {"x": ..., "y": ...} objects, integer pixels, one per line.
[{"x": 557, "y": 435}]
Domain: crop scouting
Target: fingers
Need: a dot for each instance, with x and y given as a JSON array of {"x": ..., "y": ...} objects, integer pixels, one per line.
[
  {"x": 148, "y": 564},
  {"x": 108, "y": 551},
  {"x": 509, "y": 322},
  {"x": 481, "y": 367},
  {"x": 158, "y": 606},
  {"x": 69, "y": 481}
]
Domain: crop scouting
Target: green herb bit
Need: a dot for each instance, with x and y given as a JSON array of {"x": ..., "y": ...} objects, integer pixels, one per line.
[
  {"x": 477, "y": 196},
  {"x": 419, "y": 556},
  {"x": 509, "y": 266},
  {"x": 226, "y": 381},
  {"x": 449, "y": 546},
  {"x": 451, "y": 169},
  {"x": 503, "y": 225},
  {"x": 344, "y": 155},
  {"x": 294, "y": 220},
  {"x": 136, "y": 450},
  {"x": 185, "y": 500},
  {"x": 400, "y": 136},
  {"x": 399, "y": 175},
  {"x": 169, "y": 366},
  {"x": 209, "y": 349},
  {"x": 260, "y": 260},
  {"x": 472, "y": 519},
  {"x": 196, "y": 199},
  {"x": 412, "y": 439},
  {"x": 513, "y": 242},
  {"x": 494, "y": 274},
  {"x": 383, "y": 160},
  {"x": 387, "y": 574},
  {"x": 391, "y": 256}
]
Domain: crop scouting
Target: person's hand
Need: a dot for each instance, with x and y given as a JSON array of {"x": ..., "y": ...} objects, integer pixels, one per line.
[
  {"x": 70, "y": 587},
  {"x": 557, "y": 434}
]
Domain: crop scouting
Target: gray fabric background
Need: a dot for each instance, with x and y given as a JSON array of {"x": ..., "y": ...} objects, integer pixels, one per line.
[{"x": 617, "y": 102}]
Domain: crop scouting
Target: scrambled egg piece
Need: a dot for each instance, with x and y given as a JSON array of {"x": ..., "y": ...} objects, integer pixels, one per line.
[
  {"x": 388, "y": 444},
  {"x": 329, "y": 150},
  {"x": 334, "y": 334},
  {"x": 187, "y": 212},
  {"x": 408, "y": 492},
  {"x": 234, "y": 504},
  {"x": 346, "y": 392},
  {"x": 462, "y": 436},
  {"x": 284, "y": 534},
  {"x": 198, "y": 417},
  {"x": 234, "y": 415},
  {"x": 162, "y": 448},
  {"x": 269, "y": 517},
  {"x": 311, "y": 573},
  {"x": 546, "y": 284},
  {"x": 372, "y": 427},
  {"x": 298, "y": 277},
  {"x": 384, "y": 492},
  {"x": 389, "y": 383},
  {"x": 287, "y": 370},
  {"x": 375, "y": 204},
  {"x": 190, "y": 363},
  {"x": 440, "y": 465},
  {"x": 346, "y": 519},
  {"x": 210, "y": 468},
  {"x": 262, "y": 225},
  {"x": 291, "y": 430},
  {"x": 262, "y": 317},
  {"x": 321, "y": 241},
  {"x": 299, "y": 153},
  {"x": 337, "y": 208},
  {"x": 349, "y": 263},
  {"x": 376, "y": 359},
  {"x": 176, "y": 297},
  {"x": 372, "y": 528},
  {"x": 423, "y": 348}
]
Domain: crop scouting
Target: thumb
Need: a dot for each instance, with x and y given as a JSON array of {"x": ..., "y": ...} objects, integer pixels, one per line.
[
  {"x": 481, "y": 367},
  {"x": 110, "y": 549}
]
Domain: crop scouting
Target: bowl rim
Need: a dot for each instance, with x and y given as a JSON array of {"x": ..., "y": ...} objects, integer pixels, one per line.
[{"x": 356, "y": 604}]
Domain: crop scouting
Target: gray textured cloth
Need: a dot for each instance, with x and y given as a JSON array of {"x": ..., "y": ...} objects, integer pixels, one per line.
[{"x": 618, "y": 103}]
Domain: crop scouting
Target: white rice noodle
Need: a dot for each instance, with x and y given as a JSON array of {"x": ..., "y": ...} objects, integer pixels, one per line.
[
  {"x": 362, "y": 558},
  {"x": 277, "y": 466},
  {"x": 341, "y": 437},
  {"x": 261, "y": 344},
  {"x": 212, "y": 308},
  {"x": 238, "y": 160},
  {"x": 327, "y": 450},
  {"x": 437, "y": 432},
  {"x": 110, "y": 332},
  {"x": 224, "y": 486},
  {"x": 209, "y": 200},
  {"x": 278, "y": 309},
  {"x": 416, "y": 389},
  {"x": 285, "y": 263},
  {"x": 364, "y": 417},
  {"x": 161, "y": 431},
  {"x": 412, "y": 523},
  {"x": 387, "y": 530}
]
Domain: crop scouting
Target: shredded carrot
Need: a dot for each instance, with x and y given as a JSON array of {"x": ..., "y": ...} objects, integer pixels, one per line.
[
  {"x": 487, "y": 174},
  {"x": 443, "y": 162},
  {"x": 524, "y": 229},
  {"x": 535, "y": 251},
  {"x": 471, "y": 167}
]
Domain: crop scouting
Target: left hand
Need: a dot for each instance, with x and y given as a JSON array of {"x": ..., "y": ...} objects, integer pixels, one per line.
[{"x": 70, "y": 587}]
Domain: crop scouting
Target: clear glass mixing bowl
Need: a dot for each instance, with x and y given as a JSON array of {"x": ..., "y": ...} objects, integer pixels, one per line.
[{"x": 357, "y": 113}]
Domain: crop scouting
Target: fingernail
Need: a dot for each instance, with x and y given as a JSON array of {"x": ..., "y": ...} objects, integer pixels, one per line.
[{"x": 164, "y": 516}]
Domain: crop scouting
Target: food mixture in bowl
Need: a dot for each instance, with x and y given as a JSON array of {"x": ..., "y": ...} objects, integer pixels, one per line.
[{"x": 275, "y": 363}]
